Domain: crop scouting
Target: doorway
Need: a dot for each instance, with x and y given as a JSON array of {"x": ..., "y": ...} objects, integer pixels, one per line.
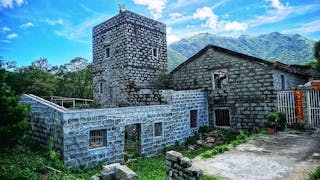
[{"x": 132, "y": 147}]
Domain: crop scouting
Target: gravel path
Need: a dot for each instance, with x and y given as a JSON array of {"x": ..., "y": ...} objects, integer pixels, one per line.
[{"x": 287, "y": 155}]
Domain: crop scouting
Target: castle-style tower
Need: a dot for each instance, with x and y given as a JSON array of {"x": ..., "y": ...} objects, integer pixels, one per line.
[{"x": 129, "y": 53}]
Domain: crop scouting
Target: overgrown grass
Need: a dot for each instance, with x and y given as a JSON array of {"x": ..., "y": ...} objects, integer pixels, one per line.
[
  {"x": 208, "y": 177},
  {"x": 241, "y": 138},
  {"x": 149, "y": 168},
  {"x": 26, "y": 160},
  {"x": 315, "y": 175}
]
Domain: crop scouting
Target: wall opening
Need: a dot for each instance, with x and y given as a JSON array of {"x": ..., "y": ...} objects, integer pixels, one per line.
[
  {"x": 132, "y": 145},
  {"x": 158, "y": 129},
  {"x": 97, "y": 138},
  {"x": 283, "y": 82},
  {"x": 221, "y": 117},
  {"x": 193, "y": 118}
]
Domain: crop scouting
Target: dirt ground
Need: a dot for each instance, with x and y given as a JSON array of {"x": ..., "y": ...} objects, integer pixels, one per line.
[{"x": 286, "y": 155}]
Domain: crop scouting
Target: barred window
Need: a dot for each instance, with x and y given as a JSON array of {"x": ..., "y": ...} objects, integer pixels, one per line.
[
  {"x": 98, "y": 138},
  {"x": 158, "y": 129},
  {"x": 222, "y": 117}
]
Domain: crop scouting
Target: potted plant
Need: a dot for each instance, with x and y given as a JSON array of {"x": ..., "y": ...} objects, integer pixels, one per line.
[
  {"x": 276, "y": 120},
  {"x": 271, "y": 127}
]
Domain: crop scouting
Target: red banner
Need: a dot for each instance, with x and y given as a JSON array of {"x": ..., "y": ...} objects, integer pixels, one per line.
[
  {"x": 299, "y": 106},
  {"x": 315, "y": 84}
]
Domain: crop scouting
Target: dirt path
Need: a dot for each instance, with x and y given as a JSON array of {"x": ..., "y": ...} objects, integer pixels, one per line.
[{"x": 283, "y": 156}]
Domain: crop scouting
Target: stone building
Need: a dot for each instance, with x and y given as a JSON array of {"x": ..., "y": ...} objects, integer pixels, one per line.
[
  {"x": 241, "y": 89},
  {"x": 129, "y": 52}
]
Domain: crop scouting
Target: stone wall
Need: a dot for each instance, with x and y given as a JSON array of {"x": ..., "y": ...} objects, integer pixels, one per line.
[
  {"x": 247, "y": 91},
  {"x": 46, "y": 120},
  {"x": 291, "y": 81},
  {"x": 131, "y": 65},
  {"x": 77, "y": 124},
  {"x": 179, "y": 167}
]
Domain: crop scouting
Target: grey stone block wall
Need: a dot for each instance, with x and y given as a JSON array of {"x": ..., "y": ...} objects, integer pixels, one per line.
[
  {"x": 77, "y": 124},
  {"x": 291, "y": 81},
  {"x": 131, "y": 66},
  {"x": 249, "y": 94},
  {"x": 179, "y": 167},
  {"x": 46, "y": 120}
]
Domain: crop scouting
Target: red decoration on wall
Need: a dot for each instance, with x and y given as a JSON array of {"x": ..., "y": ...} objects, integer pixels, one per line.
[
  {"x": 299, "y": 106},
  {"x": 315, "y": 84}
]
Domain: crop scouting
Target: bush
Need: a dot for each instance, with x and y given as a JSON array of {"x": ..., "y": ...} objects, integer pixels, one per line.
[
  {"x": 315, "y": 175},
  {"x": 163, "y": 81},
  {"x": 279, "y": 119},
  {"x": 12, "y": 114},
  {"x": 298, "y": 126}
]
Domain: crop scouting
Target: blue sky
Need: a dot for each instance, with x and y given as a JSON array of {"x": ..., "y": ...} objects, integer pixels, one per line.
[{"x": 61, "y": 29}]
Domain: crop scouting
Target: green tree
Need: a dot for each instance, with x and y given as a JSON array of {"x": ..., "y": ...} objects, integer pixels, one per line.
[
  {"x": 316, "y": 52},
  {"x": 37, "y": 81},
  {"x": 76, "y": 84},
  {"x": 12, "y": 114}
]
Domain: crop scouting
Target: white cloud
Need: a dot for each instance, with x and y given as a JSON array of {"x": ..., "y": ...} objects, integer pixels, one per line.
[
  {"x": 10, "y": 3},
  {"x": 175, "y": 15},
  {"x": 171, "y": 38},
  {"x": 204, "y": 13},
  {"x": 154, "y": 6},
  {"x": 278, "y": 13},
  {"x": 277, "y": 4},
  {"x": 12, "y": 36},
  {"x": 234, "y": 26},
  {"x": 5, "y": 29},
  {"x": 5, "y": 41},
  {"x": 54, "y": 22},
  {"x": 310, "y": 27},
  {"x": 211, "y": 21},
  {"x": 26, "y": 25}
]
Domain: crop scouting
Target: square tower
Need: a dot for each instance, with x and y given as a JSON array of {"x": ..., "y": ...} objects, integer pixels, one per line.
[{"x": 129, "y": 53}]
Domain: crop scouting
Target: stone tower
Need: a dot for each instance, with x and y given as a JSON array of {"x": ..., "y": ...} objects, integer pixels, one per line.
[{"x": 129, "y": 53}]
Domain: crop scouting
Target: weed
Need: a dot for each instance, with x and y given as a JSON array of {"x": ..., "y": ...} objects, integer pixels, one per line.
[{"x": 315, "y": 175}]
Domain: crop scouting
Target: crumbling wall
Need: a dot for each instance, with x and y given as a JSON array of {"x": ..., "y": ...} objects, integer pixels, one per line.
[
  {"x": 179, "y": 167},
  {"x": 115, "y": 172},
  {"x": 75, "y": 126},
  {"x": 46, "y": 120}
]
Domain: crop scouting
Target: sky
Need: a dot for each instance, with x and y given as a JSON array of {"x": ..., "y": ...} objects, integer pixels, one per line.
[{"x": 61, "y": 29}]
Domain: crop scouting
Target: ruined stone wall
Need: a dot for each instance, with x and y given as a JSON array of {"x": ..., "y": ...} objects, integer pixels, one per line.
[
  {"x": 46, "y": 121},
  {"x": 115, "y": 172},
  {"x": 131, "y": 65},
  {"x": 248, "y": 94},
  {"x": 179, "y": 167},
  {"x": 75, "y": 127}
]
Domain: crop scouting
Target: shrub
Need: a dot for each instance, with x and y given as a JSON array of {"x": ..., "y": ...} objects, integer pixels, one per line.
[
  {"x": 298, "y": 125},
  {"x": 315, "y": 175},
  {"x": 278, "y": 119},
  {"x": 12, "y": 114},
  {"x": 163, "y": 81}
]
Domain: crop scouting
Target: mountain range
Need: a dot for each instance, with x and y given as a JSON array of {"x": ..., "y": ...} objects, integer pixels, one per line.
[{"x": 286, "y": 48}]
